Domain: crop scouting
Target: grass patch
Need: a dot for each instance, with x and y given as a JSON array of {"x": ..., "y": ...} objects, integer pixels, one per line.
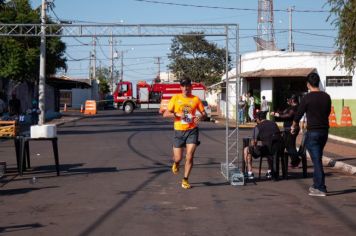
[{"x": 345, "y": 132}]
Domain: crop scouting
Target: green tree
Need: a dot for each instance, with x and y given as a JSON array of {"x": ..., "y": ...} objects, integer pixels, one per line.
[
  {"x": 195, "y": 57},
  {"x": 103, "y": 77},
  {"x": 345, "y": 20},
  {"x": 19, "y": 59}
]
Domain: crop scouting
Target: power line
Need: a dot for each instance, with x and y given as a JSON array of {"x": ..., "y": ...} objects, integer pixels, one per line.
[
  {"x": 75, "y": 59},
  {"x": 223, "y": 8},
  {"x": 317, "y": 46},
  {"x": 320, "y": 35},
  {"x": 102, "y": 51},
  {"x": 51, "y": 7}
]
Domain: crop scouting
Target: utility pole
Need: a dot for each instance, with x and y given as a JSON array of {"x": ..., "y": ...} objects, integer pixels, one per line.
[
  {"x": 93, "y": 81},
  {"x": 94, "y": 58},
  {"x": 290, "y": 43},
  {"x": 42, "y": 78},
  {"x": 111, "y": 42},
  {"x": 159, "y": 66},
  {"x": 122, "y": 66},
  {"x": 90, "y": 65}
]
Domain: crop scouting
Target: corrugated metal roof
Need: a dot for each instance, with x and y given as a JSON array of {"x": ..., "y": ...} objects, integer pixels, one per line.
[
  {"x": 295, "y": 72},
  {"x": 65, "y": 82}
]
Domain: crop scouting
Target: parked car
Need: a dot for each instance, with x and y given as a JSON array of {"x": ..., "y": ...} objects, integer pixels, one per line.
[{"x": 207, "y": 110}]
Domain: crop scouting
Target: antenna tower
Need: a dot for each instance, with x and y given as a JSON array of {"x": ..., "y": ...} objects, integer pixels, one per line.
[{"x": 265, "y": 29}]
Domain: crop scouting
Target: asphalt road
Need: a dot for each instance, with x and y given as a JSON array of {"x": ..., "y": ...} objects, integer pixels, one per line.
[{"x": 116, "y": 180}]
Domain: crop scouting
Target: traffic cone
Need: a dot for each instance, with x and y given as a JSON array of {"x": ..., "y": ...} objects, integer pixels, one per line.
[
  {"x": 332, "y": 118},
  {"x": 90, "y": 107},
  {"x": 81, "y": 108},
  {"x": 346, "y": 117}
]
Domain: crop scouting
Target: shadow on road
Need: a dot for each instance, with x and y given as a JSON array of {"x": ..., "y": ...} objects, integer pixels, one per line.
[
  {"x": 340, "y": 192},
  {"x": 14, "y": 228},
  {"x": 22, "y": 191}
]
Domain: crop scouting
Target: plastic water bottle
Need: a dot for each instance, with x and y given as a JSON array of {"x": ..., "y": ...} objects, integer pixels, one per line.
[
  {"x": 237, "y": 178},
  {"x": 33, "y": 180}
]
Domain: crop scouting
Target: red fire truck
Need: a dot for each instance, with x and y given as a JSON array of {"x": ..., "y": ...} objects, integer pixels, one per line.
[{"x": 149, "y": 95}]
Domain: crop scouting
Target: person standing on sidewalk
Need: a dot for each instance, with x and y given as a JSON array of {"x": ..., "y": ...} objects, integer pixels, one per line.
[
  {"x": 317, "y": 106},
  {"x": 186, "y": 133},
  {"x": 242, "y": 107},
  {"x": 14, "y": 105},
  {"x": 251, "y": 106}
]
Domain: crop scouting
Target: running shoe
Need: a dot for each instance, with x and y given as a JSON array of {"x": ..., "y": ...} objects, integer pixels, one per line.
[
  {"x": 185, "y": 184},
  {"x": 316, "y": 192},
  {"x": 250, "y": 176},
  {"x": 175, "y": 168},
  {"x": 269, "y": 175}
]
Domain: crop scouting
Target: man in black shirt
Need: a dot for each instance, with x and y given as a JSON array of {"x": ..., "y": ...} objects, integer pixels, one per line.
[
  {"x": 317, "y": 106},
  {"x": 287, "y": 117},
  {"x": 268, "y": 133}
]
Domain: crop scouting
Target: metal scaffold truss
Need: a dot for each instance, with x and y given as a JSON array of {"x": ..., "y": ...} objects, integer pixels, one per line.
[
  {"x": 116, "y": 30},
  {"x": 230, "y": 32}
]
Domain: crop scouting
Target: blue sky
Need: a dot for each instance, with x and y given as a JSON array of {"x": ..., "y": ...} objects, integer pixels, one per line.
[{"x": 141, "y": 53}]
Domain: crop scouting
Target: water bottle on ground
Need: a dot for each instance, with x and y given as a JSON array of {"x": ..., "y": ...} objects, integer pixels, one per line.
[{"x": 33, "y": 180}]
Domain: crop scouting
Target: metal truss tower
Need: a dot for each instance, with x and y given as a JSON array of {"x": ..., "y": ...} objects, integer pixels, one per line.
[
  {"x": 229, "y": 32},
  {"x": 265, "y": 28}
]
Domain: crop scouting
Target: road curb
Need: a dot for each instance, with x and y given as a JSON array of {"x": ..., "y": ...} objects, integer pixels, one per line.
[
  {"x": 67, "y": 121},
  {"x": 337, "y": 165},
  {"x": 345, "y": 140}
]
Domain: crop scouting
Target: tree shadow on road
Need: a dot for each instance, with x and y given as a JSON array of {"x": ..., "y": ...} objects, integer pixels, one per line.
[
  {"x": 340, "y": 192},
  {"x": 10, "y": 192},
  {"x": 66, "y": 170},
  {"x": 14, "y": 228}
]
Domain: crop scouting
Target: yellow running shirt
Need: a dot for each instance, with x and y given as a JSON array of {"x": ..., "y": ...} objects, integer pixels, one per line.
[{"x": 185, "y": 106}]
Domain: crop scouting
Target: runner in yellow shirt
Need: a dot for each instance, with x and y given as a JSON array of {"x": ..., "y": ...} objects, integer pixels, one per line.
[{"x": 186, "y": 133}]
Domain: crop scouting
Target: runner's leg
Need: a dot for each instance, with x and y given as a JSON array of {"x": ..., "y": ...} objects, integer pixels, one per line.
[
  {"x": 189, "y": 159},
  {"x": 177, "y": 154}
]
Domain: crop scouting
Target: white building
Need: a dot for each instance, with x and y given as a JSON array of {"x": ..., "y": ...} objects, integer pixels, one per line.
[
  {"x": 278, "y": 74},
  {"x": 167, "y": 76},
  {"x": 74, "y": 92}
]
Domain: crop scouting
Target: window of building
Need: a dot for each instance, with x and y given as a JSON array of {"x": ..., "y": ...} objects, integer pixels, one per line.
[{"x": 338, "y": 81}]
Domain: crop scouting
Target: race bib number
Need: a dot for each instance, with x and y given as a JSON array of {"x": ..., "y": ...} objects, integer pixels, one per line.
[{"x": 187, "y": 118}]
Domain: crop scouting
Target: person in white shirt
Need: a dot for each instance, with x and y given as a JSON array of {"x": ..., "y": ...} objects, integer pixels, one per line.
[{"x": 251, "y": 106}]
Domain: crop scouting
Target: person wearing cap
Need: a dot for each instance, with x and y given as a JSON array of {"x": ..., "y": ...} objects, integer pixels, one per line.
[
  {"x": 317, "y": 107},
  {"x": 268, "y": 133},
  {"x": 186, "y": 133},
  {"x": 289, "y": 139}
]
